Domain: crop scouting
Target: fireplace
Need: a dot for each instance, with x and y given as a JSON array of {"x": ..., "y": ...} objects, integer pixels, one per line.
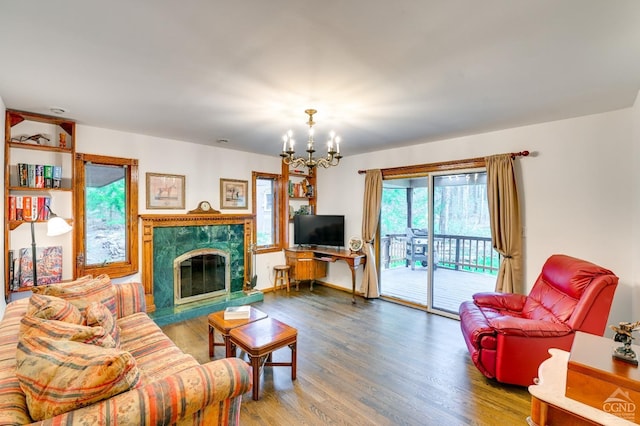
[
  {"x": 201, "y": 274},
  {"x": 195, "y": 244}
]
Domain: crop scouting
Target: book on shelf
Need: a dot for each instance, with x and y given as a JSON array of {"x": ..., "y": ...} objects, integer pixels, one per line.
[
  {"x": 12, "y": 207},
  {"x": 11, "y": 268},
  {"x": 19, "y": 204},
  {"x": 237, "y": 312},
  {"x": 57, "y": 176},
  {"x": 31, "y": 175},
  {"x": 26, "y": 208},
  {"x": 48, "y": 176},
  {"x": 23, "y": 174},
  {"x": 39, "y": 176}
]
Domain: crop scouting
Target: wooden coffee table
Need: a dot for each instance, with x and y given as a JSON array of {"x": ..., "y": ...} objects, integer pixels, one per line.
[
  {"x": 218, "y": 323},
  {"x": 259, "y": 339}
]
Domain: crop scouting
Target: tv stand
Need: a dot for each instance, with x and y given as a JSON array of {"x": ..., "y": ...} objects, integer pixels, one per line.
[{"x": 310, "y": 263}]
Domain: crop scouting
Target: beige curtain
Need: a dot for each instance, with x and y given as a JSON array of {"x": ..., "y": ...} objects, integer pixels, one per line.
[
  {"x": 506, "y": 228},
  {"x": 370, "y": 215}
]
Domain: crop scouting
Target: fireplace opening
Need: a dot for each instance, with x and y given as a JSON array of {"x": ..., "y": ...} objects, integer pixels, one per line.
[{"x": 201, "y": 274}]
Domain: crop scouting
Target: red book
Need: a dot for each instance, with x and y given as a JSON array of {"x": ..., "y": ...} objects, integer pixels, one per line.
[
  {"x": 19, "y": 204},
  {"x": 41, "y": 213},
  {"x": 39, "y": 176},
  {"x": 12, "y": 207},
  {"x": 26, "y": 208}
]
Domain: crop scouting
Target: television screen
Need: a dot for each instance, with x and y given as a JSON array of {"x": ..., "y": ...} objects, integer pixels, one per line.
[{"x": 318, "y": 230}]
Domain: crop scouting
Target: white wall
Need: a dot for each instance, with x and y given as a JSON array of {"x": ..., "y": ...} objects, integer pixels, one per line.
[
  {"x": 575, "y": 190},
  {"x": 203, "y": 166},
  {"x": 635, "y": 225}
]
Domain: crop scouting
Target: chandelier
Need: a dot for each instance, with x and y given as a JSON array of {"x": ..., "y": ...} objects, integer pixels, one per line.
[{"x": 333, "y": 148}]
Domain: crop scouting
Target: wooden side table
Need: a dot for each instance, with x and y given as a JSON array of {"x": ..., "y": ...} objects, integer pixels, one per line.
[
  {"x": 549, "y": 404},
  {"x": 259, "y": 339},
  {"x": 217, "y": 322}
]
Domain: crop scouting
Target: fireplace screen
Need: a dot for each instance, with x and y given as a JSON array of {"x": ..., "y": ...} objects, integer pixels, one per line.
[{"x": 201, "y": 274}]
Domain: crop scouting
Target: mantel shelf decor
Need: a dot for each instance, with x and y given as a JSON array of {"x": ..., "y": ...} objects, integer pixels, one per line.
[
  {"x": 333, "y": 149},
  {"x": 204, "y": 207}
]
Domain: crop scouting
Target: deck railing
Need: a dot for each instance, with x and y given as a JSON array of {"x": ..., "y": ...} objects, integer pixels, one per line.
[{"x": 457, "y": 252}]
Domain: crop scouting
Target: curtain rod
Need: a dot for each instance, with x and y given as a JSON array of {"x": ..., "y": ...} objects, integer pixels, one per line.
[{"x": 468, "y": 160}]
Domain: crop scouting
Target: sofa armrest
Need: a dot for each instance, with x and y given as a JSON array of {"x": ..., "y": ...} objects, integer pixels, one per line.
[
  {"x": 516, "y": 326},
  {"x": 211, "y": 389},
  {"x": 129, "y": 298},
  {"x": 509, "y": 301}
]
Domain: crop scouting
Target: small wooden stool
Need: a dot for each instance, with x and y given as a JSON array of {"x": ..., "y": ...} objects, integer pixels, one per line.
[
  {"x": 281, "y": 276},
  {"x": 259, "y": 339},
  {"x": 217, "y": 322}
]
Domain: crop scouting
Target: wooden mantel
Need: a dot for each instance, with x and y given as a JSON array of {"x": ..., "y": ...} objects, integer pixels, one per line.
[{"x": 151, "y": 221}]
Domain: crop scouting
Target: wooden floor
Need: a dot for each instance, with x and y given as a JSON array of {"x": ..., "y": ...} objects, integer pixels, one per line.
[
  {"x": 373, "y": 363},
  {"x": 450, "y": 287}
]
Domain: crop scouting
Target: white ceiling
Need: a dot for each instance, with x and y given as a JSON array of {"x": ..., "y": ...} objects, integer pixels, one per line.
[{"x": 381, "y": 73}]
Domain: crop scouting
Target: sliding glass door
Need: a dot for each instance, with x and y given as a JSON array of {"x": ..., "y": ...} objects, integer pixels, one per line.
[
  {"x": 404, "y": 237},
  {"x": 462, "y": 240},
  {"x": 435, "y": 240}
]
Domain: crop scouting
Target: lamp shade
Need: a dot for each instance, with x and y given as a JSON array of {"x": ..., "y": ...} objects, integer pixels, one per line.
[{"x": 57, "y": 226}]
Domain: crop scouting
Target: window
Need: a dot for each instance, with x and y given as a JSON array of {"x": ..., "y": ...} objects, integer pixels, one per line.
[
  {"x": 266, "y": 196},
  {"x": 107, "y": 212}
]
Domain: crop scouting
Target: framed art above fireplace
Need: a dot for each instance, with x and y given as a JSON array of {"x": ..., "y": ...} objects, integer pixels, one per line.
[{"x": 165, "y": 191}]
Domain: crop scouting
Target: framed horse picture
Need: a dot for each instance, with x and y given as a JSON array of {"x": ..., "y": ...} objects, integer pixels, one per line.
[{"x": 165, "y": 191}]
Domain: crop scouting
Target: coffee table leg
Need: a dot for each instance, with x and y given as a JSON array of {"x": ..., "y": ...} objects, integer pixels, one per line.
[
  {"x": 255, "y": 366},
  {"x": 210, "y": 342},
  {"x": 231, "y": 350},
  {"x": 294, "y": 357}
]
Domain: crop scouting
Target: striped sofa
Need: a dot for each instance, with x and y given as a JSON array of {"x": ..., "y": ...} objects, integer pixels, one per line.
[{"x": 174, "y": 388}]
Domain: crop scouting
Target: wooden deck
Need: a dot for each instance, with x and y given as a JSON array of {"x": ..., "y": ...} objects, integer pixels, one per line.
[{"x": 450, "y": 287}]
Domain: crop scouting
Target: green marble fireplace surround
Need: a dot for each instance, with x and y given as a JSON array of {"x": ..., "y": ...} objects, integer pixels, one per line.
[{"x": 166, "y": 237}]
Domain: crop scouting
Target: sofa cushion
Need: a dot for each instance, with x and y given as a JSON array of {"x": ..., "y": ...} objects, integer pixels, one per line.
[
  {"x": 130, "y": 298},
  {"x": 98, "y": 315},
  {"x": 37, "y": 327},
  {"x": 84, "y": 291},
  {"x": 53, "y": 308},
  {"x": 60, "y": 375},
  {"x": 157, "y": 356}
]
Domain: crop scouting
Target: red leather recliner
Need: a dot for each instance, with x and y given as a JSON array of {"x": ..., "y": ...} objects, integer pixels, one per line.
[{"x": 508, "y": 335}]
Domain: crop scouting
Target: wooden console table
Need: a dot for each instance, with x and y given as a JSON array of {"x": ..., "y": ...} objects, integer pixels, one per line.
[{"x": 308, "y": 263}]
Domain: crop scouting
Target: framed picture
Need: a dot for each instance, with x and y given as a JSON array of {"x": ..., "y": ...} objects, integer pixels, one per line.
[
  {"x": 233, "y": 194},
  {"x": 165, "y": 191}
]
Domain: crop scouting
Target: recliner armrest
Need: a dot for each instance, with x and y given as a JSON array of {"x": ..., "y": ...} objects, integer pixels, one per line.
[
  {"x": 509, "y": 301},
  {"x": 516, "y": 326}
]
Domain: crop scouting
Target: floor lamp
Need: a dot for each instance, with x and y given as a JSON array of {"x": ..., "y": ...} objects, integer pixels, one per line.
[{"x": 55, "y": 226}]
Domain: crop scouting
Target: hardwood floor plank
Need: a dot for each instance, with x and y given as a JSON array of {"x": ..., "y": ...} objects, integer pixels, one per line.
[{"x": 373, "y": 363}]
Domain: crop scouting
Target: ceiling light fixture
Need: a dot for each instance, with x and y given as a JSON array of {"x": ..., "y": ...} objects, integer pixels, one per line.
[
  {"x": 57, "y": 110},
  {"x": 333, "y": 148}
]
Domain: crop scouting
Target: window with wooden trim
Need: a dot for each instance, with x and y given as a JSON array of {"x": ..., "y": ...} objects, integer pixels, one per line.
[
  {"x": 266, "y": 209},
  {"x": 107, "y": 215}
]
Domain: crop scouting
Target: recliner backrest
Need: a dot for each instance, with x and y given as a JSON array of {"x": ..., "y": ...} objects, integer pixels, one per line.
[{"x": 565, "y": 290}]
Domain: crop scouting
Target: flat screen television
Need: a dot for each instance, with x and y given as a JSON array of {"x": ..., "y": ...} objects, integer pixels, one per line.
[{"x": 318, "y": 230}]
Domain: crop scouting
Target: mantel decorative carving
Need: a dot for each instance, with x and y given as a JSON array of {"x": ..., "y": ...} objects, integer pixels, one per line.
[{"x": 151, "y": 221}]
